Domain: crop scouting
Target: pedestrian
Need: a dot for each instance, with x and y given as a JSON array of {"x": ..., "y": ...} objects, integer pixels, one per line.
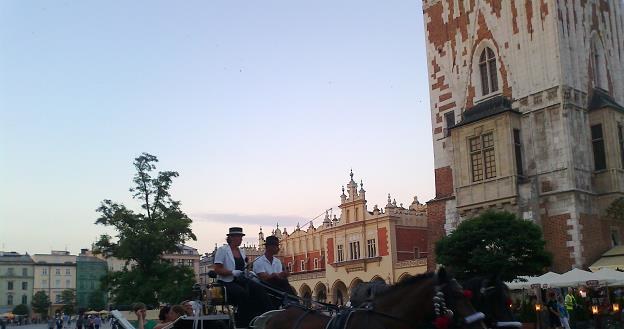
[
  {"x": 564, "y": 316},
  {"x": 553, "y": 311},
  {"x": 97, "y": 322},
  {"x": 79, "y": 321},
  {"x": 59, "y": 322},
  {"x": 50, "y": 323}
]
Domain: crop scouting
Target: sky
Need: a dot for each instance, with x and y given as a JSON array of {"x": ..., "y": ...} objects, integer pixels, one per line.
[{"x": 263, "y": 107}]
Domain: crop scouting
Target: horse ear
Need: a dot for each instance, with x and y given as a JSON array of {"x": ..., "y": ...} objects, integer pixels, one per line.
[{"x": 442, "y": 275}]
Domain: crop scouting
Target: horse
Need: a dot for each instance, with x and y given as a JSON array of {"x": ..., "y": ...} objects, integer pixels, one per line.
[
  {"x": 491, "y": 296},
  {"x": 430, "y": 298}
]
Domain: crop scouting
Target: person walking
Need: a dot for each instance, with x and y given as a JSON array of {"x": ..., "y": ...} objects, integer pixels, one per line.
[
  {"x": 553, "y": 311},
  {"x": 59, "y": 322},
  {"x": 564, "y": 316},
  {"x": 79, "y": 321},
  {"x": 97, "y": 322},
  {"x": 50, "y": 323}
]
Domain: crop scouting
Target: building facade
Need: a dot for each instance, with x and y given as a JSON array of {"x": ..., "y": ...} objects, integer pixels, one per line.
[
  {"x": 89, "y": 273},
  {"x": 185, "y": 256},
  {"x": 54, "y": 273},
  {"x": 385, "y": 244},
  {"x": 16, "y": 280},
  {"x": 526, "y": 111}
]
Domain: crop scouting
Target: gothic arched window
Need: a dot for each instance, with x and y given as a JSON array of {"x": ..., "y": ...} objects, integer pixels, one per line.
[
  {"x": 487, "y": 69},
  {"x": 598, "y": 64}
]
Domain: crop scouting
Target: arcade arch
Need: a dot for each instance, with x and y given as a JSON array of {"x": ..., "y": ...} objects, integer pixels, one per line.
[
  {"x": 339, "y": 293},
  {"x": 320, "y": 292}
]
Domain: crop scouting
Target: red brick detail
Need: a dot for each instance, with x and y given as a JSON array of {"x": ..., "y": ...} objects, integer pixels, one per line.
[
  {"x": 437, "y": 130},
  {"x": 436, "y": 217},
  {"x": 330, "y": 250},
  {"x": 382, "y": 237},
  {"x": 444, "y": 182},
  {"x": 528, "y": 7},
  {"x": 409, "y": 239},
  {"x": 514, "y": 17},
  {"x": 438, "y": 118},
  {"x": 496, "y": 6},
  {"x": 444, "y": 97},
  {"x": 297, "y": 263},
  {"x": 555, "y": 230},
  {"x": 447, "y": 106},
  {"x": 596, "y": 234}
]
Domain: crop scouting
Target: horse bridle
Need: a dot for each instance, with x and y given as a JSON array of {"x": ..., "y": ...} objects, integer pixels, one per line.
[
  {"x": 439, "y": 306},
  {"x": 485, "y": 291}
]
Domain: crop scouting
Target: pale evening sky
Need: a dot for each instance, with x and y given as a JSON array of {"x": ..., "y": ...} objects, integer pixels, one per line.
[{"x": 263, "y": 107}]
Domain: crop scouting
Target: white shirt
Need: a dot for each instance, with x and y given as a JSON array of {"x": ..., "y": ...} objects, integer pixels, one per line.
[
  {"x": 226, "y": 257},
  {"x": 262, "y": 265}
]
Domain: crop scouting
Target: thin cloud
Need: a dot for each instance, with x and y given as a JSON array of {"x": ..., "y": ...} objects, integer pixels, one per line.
[{"x": 242, "y": 219}]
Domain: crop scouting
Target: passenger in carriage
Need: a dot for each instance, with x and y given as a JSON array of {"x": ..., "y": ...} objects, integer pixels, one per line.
[
  {"x": 250, "y": 297},
  {"x": 270, "y": 269}
]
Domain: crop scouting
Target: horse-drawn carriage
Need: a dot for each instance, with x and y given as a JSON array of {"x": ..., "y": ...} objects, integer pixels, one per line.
[{"x": 431, "y": 300}]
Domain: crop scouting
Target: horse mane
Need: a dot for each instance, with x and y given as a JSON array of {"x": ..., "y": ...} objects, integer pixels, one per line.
[{"x": 408, "y": 282}]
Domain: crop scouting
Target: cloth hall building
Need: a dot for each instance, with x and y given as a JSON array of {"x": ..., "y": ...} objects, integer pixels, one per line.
[{"x": 386, "y": 244}]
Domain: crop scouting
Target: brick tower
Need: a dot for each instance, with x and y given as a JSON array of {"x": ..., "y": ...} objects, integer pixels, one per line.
[{"x": 527, "y": 116}]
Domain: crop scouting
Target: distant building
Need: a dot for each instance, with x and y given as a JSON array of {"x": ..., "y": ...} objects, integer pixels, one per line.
[
  {"x": 16, "y": 280},
  {"x": 54, "y": 273},
  {"x": 89, "y": 273},
  {"x": 387, "y": 244},
  {"x": 185, "y": 256}
]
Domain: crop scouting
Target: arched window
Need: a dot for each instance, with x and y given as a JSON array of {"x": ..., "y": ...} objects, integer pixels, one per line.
[{"x": 487, "y": 69}]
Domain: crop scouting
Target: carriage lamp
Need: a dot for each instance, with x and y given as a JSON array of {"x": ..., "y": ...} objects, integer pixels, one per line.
[
  {"x": 616, "y": 307},
  {"x": 538, "y": 307},
  {"x": 594, "y": 309}
]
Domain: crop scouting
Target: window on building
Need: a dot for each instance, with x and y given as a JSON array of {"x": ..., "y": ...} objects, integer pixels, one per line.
[
  {"x": 9, "y": 285},
  {"x": 302, "y": 266},
  {"x": 67, "y": 283},
  {"x": 316, "y": 263},
  {"x": 290, "y": 267},
  {"x": 416, "y": 253},
  {"x": 24, "y": 285},
  {"x": 9, "y": 299},
  {"x": 67, "y": 271},
  {"x": 482, "y": 157},
  {"x": 600, "y": 161},
  {"x": 24, "y": 299},
  {"x": 58, "y": 271},
  {"x": 57, "y": 283},
  {"x": 354, "y": 250},
  {"x": 449, "y": 118},
  {"x": 621, "y": 140},
  {"x": 371, "y": 248},
  {"x": 518, "y": 152},
  {"x": 44, "y": 271},
  {"x": 340, "y": 253},
  {"x": 10, "y": 271},
  {"x": 44, "y": 283},
  {"x": 57, "y": 299},
  {"x": 487, "y": 69},
  {"x": 24, "y": 271}
]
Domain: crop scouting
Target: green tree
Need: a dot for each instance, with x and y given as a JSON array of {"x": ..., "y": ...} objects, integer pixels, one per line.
[
  {"x": 21, "y": 309},
  {"x": 143, "y": 237},
  {"x": 68, "y": 299},
  {"x": 41, "y": 302},
  {"x": 616, "y": 209},
  {"x": 494, "y": 243}
]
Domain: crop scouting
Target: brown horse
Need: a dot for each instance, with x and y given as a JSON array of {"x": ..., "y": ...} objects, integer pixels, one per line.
[{"x": 413, "y": 303}]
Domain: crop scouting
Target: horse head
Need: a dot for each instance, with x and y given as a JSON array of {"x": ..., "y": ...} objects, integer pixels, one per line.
[
  {"x": 491, "y": 296},
  {"x": 452, "y": 306}
]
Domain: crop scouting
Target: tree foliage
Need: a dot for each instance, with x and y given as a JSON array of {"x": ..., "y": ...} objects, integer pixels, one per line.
[
  {"x": 616, "y": 209},
  {"x": 40, "y": 302},
  {"x": 68, "y": 299},
  {"x": 143, "y": 237},
  {"x": 21, "y": 309},
  {"x": 494, "y": 243}
]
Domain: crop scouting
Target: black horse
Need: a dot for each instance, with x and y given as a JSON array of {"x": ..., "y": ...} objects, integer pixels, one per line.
[{"x": 490, "y": 295}]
